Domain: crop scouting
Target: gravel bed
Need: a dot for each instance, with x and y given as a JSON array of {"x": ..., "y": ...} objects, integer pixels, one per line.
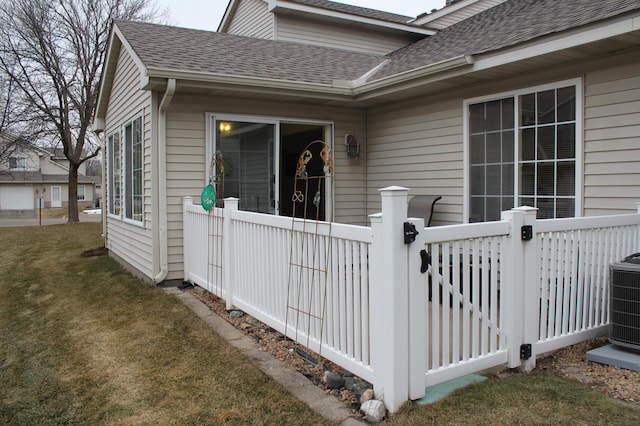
[{"x": 570, "y": 362}]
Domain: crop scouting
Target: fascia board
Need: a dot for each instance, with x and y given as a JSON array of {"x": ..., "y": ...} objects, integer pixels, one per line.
[
  {"x": 256, "y": 84},
  {"x": 116, "y": 43},
  {"x": 107, "y": 70},
  {"x": 274, "y": 6},
  {"x": 575, "y": 38},
  {"x": 228, "y": 13},
  {"x": 480, "y": 62},
  {"x": 414, "y": 74}
]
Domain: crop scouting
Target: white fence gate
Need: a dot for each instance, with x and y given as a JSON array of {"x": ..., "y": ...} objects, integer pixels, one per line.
[{"x": 404, "y": 316}]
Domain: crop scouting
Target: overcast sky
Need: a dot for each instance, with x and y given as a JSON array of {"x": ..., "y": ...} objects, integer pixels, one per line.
[{"x": 206, "y": 14}]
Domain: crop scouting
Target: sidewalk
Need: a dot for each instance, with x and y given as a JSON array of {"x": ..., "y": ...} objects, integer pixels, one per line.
[{"x": 6, "y": 222}]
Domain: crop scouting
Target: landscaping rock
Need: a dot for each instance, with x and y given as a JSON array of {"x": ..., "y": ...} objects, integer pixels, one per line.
[
  {"x": 349, "y": 381},
  {"x": 333, "y": 380},
  {"x": 360, "y": 387},
  {"x": 235, "y": 313},
  {"x": 367, "y": 395},
  {"x": 373, "y": 410}
]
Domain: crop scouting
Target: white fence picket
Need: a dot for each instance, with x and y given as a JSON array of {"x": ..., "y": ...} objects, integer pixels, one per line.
[{"x": 464, "y": 323}]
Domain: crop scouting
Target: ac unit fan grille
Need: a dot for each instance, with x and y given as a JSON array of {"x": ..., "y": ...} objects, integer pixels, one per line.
[{"x": 625, "y": 307}]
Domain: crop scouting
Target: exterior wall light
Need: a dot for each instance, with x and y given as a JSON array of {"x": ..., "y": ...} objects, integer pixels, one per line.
[{"x": 353, "y": 147}]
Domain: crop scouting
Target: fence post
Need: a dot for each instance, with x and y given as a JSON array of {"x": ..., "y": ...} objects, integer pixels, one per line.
[
  {"x": 186, "y": 252},
  {"x": 520, "y": 289},
  {"x": 229, "y": 263},
  {"x": 389, "y": 300},
  {"x": 418, "y": 318}
]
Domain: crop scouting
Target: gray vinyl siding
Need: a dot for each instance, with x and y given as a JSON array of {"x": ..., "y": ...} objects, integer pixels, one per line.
[
  {"x": 460, "y": 14},
  {"x": 187, "y": 162},
  {"x": 131, "y": 242},
  {"x": 252, "y": 19},
  {"x": 612, "y": 140},
  {"x": 345, "y": 37},
  {"x": 418, "y": 145}
]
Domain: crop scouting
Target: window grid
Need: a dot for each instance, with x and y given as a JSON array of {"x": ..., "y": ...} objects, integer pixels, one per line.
[
  {"x": 133, "y": 170},
  {"x": 544, "y": 146},
  {"x": 114, "y": 185}
]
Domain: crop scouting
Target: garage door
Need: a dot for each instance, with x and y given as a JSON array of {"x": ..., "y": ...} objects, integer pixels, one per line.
[{"x": 16, "y": 198}]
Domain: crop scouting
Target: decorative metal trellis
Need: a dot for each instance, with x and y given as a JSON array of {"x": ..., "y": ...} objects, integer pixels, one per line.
[
  {"x": 310, "y": 253},
  {"x": 213, "y": 196}
]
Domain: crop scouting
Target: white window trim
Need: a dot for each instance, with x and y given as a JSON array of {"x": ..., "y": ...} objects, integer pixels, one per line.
[
  {"x": 123, "y": 209},
  {"x": 109, "y": 170},
  {"x": 579, "y": 154},
  {"x": 277, "y": 121},
  {"x": 123, "y": 196},
  {"x": 17, "y": 159}
]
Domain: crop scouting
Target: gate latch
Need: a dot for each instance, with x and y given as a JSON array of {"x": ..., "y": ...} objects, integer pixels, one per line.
[
  {"x": 410, "y": 232},
  {"x": 526, "y": 232},
  {"x": 525, "y": 351}
]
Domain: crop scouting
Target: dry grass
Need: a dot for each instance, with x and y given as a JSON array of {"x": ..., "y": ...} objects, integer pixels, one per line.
[{"x": 83, "y": 342}]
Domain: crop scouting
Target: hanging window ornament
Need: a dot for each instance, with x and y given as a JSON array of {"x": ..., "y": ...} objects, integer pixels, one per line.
[
  {"x": 208, "y": 196},
  {"x": 327, "y": 156},
  {"x": 316, "y": 199},
  {"x": 297, "y": 197}
]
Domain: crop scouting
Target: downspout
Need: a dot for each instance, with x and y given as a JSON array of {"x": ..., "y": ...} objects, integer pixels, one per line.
[
  {"x": 161, "y": 180},
  {"x": 103, "y": 188}
]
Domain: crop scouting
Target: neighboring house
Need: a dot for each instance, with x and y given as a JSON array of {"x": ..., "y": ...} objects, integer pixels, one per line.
[
  {"x": 35, "y": 177},
  {"x": 490, "y": 104}
]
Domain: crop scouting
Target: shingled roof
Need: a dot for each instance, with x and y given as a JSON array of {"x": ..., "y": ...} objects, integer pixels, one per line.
[
  {"x": 162, "y": 47},
  {"x": 356, "y": 10},
  {"x": 505, "y": 25}
]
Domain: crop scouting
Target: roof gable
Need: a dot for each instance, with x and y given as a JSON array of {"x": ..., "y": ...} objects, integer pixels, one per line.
[
  {"x": 505, "y": 25},
  {"x": 334, "y": 11}
]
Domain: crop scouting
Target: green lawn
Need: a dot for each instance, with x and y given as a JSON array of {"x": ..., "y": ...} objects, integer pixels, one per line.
[{"x": 84, "y": 342}]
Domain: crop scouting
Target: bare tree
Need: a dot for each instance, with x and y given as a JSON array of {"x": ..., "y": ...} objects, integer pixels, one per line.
[
  {"x": 52, "y": 53},
  {"x": 12, "y": 140}
]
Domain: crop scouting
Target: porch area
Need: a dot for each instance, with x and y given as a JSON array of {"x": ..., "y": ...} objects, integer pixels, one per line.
[{"x": 406, "y": 310}]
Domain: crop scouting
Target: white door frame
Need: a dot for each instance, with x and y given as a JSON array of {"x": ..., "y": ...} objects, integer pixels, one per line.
[{"x": 56, "y": 196}]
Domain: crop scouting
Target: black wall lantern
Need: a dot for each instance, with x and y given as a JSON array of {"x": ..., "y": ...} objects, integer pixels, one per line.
[{"x": 353, "y": 147}]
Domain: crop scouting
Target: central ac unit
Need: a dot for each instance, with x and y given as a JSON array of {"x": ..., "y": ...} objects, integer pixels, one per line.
[{"x": 624, "y": 302}]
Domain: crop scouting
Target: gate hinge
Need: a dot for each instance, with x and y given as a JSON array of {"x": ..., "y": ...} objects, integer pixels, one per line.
[
  {"x": 525, "y": 351},
  {"x": 526, "y": 232},
  {"x": 410, "y": 232}
]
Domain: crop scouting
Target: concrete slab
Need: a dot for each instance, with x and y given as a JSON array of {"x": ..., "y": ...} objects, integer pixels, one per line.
[
  {"x": 437, "y": 392},
  {"x": 616, "y": 356}
]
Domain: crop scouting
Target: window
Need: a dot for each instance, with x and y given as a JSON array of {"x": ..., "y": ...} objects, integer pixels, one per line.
[
  {"x": 522, "y": 150},
  {"x": 133, "y": 169},
  {"x": 114, "y": 189},
  {"x": 261, "y": 156},
  {"x": 17, "y": 163},
  {"x": 125, "y": 178},
  {"x": 80, "y": 192}
]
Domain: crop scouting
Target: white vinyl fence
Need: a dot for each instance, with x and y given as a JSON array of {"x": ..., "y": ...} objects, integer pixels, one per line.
[{"x": 407, "y": 315}]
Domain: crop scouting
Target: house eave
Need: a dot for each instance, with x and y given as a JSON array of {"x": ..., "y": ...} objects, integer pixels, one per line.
[{"x": 157, "y": 78}]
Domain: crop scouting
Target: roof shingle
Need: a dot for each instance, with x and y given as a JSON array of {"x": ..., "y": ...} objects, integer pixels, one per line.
[
  {"x": 504, "y": 25},
  {"x": 356, "y": 10},
  {"x": 181, "y": 49}
]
